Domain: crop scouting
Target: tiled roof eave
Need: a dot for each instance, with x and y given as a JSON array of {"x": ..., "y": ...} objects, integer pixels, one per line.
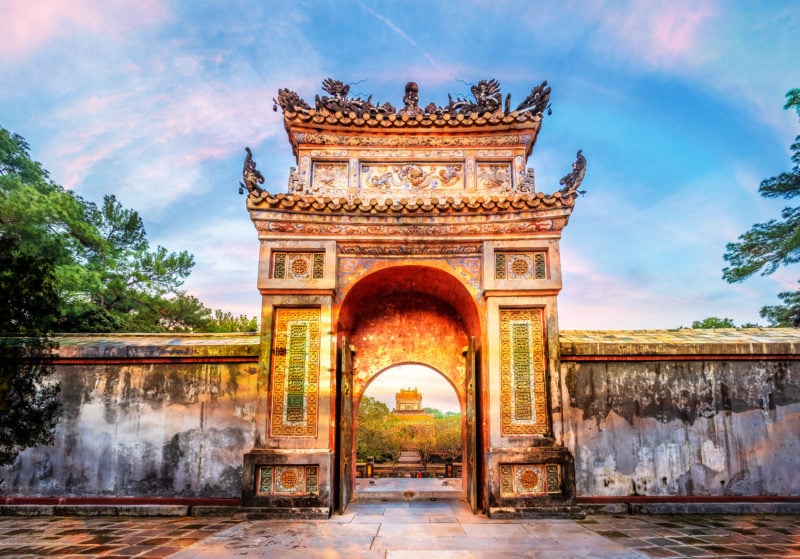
[
  {"x": 387, "y": 205},
  {"x": 496, "y": 120}
]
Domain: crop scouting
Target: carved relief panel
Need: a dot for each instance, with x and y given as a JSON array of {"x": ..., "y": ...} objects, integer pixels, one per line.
[
  {"x": 411, "y": 176},
  {"x": 328, "y": 176}
]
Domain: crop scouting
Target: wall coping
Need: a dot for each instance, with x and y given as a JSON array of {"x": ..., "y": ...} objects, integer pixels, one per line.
[
  {"x": 140, "y": 346},
  {"x": 685, "y": 343}
]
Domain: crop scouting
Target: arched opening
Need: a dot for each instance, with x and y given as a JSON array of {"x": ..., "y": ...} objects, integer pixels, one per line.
[
  {"x": 409, "y": 435},
  {"x": 404, "y": 314}
]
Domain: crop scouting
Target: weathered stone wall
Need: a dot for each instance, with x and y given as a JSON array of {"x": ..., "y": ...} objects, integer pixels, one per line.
[
  {"x": 152, "y": 416},
  {"x": 683, "y": 413}
]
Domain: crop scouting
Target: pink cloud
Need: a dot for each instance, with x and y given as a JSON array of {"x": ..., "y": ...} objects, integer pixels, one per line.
[
  {"x": 662, "y": 34},
  {"x": 186, "y": 129},
  {"x": 27, "y": 26}
]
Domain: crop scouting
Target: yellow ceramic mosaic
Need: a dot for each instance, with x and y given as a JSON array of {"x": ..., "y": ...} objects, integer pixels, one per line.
[
  {"x": 523, "y": 409},
  {"x": 295, "y": 372}
]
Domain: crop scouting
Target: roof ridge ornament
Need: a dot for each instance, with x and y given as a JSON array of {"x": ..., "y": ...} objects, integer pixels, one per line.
[
  {"x": 487, "y": 94},
  {"x": 537, "y": 100},
  {"x": 573, "y": 179},
  {"x": 252, "y": 177}
]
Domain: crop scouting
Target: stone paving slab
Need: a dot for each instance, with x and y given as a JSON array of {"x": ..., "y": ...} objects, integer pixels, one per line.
[{"x": 400, "y": 531}]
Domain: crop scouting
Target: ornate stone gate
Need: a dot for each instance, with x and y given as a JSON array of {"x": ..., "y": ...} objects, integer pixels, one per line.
[{"x": 411, "y": 235}]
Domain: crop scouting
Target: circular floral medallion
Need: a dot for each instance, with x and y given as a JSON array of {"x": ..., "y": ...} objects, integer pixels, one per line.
[
  {"x": 520, "y": 267},
  {"x": 529, "y": 480},
  {"x": 289, "y": 479},
  {"x": 299, "y": 267}
]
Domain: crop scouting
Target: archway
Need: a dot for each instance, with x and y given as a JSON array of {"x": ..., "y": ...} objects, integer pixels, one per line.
[
  {"x": 406, "y": 314},
  {"x": 410, "y": 434}
]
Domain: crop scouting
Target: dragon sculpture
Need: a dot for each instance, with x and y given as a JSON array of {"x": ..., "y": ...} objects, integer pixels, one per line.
[
  {"x": 252, "y": 177},
  {"x": 537, "y": 100},
  {"x": 573, "y": 180},
  {"x": 487, "y": 95}
]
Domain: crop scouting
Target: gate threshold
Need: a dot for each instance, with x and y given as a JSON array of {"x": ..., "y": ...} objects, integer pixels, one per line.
[{"x": 408, "y": 489}]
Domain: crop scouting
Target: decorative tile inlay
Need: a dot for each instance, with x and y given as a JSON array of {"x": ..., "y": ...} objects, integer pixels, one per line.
[
  {"x": 494, "y": 176},
  {"x": 328, "y": 176},
  {"x": 522, "y": 372},
  {"x": 553, "y": 474},
  {"x": 298, "y": 265},
  {"x": 287, "y": 480},
  {"x": 295, "y": 372},
  {"x": 525, "y": 480},
  {"x": 265, "y": 474},
  {"x": 312, "y": 479},
  {"x": 520, "y": 265}
]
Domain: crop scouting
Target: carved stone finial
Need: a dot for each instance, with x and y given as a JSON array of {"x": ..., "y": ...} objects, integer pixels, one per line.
[
  {"x": 574, "y": 179},
  {"x": 252, "y": 177},
  {"x": 411, "y": 100}
]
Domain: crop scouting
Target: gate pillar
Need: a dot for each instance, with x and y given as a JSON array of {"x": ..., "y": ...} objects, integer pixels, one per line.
[{"x": 291, "y": 469}]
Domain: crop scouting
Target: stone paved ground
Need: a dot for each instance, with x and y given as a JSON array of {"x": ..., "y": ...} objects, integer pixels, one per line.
[
  {"x": 401, "y": 530},
  {"x": 702, "y": 536}
]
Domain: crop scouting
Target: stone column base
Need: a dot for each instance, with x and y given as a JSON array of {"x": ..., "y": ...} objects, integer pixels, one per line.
[{"x": 288, "y": 483}]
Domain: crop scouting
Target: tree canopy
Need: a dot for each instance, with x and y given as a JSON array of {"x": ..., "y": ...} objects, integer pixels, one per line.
[
  {"x": 767, "y": 246},
  {"x": 106, "y": 276},
  {"x": 714, "y": 322},
  {"x": 29, "y": 404},
  {"x": 383, "y": 434}
]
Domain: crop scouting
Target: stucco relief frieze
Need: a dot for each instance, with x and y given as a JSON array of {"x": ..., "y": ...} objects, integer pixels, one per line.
[
  {"x": 317, "y": 138},
  {"x": 328, "y": 176},
  {"x": 410, "y": 250},
  {"x": 412, "y": 176},
  {"x": 477, "y": 229},
  {"x": 494, "y": 176}
]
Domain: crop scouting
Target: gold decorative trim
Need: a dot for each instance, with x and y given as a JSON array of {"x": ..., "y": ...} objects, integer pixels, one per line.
[
  {"x": 523, "y": 408},
  {"x": 287, "y": 480},
  {"x": 295, "y": 372},
  {"x": 530, "y": 480}
]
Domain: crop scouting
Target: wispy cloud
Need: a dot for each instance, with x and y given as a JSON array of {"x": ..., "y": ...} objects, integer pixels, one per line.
[
  {"x": 389, "y": 23},
  {"x": 175, "y": 134}
]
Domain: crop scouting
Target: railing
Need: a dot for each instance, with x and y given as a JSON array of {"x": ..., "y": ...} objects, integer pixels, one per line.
[{"x": 407, "y": 470}]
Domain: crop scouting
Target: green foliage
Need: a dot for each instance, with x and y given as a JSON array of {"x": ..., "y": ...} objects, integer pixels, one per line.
[
  {"x": 786, "y": 314},
  {"x": 714, "y": 322},
  {"x": 29, "y": 405},
  {"x": 221, "y": 321},
  {"x": 383, "y": 435},
  {"x": 106, "y": 276},
  {"x": 375, "y": 429},
  {"x": 448, "y": 435},
  {"x": 767, "y": 246}
]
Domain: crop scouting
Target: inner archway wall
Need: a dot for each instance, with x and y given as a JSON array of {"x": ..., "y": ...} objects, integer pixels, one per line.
[{"x": 409, "y": 314}]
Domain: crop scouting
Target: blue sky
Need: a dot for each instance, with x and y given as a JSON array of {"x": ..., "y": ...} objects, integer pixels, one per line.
[{"x": 676, "y": 105}]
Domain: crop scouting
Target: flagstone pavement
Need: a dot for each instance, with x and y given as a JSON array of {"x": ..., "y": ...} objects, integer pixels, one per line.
[{"x": 445, "y": 529}]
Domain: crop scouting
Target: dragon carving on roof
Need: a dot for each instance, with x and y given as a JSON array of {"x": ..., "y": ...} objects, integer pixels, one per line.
[{"x": 486, "y": 93}]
